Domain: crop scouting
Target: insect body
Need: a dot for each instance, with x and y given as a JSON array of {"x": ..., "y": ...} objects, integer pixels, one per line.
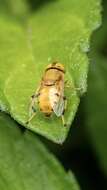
[{"x": 50, "y": 94}]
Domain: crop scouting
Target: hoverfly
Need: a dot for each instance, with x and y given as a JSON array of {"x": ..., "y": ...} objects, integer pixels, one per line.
[{"x": 50, "y": 94}]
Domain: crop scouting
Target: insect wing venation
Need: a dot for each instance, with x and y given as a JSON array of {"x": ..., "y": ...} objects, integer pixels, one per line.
[{"x": 56, "y": 102}]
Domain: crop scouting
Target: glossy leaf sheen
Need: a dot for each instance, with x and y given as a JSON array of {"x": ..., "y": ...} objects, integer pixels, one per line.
[
  {"x": 57, "y": 30},
  {"x": 25, "y": 164}
]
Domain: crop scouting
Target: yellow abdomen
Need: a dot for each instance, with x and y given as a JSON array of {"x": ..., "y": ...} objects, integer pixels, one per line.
[{"x": 44, "y": 102}]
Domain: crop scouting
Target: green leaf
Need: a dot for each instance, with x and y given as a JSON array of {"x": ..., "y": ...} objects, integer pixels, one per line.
[
  {"x": 96, "y": 109},
  {"x": 96, "y": 100},
  {"x": 25, "y": 164},
  {"x": 17, "y": 10},
  {"x": 57, "y": 30}
]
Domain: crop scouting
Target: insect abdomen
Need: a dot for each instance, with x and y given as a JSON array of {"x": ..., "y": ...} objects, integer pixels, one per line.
[{"x": 44, "y": 102}]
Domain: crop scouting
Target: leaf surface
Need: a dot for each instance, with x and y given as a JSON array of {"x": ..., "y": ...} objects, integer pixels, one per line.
[
  {"x": 26, "y": 164},
  {"x": 56, "y": 30}
]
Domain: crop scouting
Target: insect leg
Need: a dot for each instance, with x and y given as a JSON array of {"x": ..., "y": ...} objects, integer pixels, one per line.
[
  {"x": 65, "y": 103},
  {"x": 32, "y": 109},
  {"x": 69, "y": 85},
  {"x": 31, "y": 118},
  {"x": 62, "y": 116},
  {"x": 32, "y": 104},
  {"x": 63, "y": 120}
]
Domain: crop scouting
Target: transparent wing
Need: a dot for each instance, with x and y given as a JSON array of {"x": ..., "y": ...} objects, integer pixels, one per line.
[
  {"x": 59, "y": 107},
  {"x": 57, "y": 102}
]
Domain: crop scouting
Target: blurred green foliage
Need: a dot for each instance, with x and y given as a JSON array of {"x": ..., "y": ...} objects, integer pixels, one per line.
[
  {"x": 96, "y": 99},
  {"x": 25, "y": 164}
]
